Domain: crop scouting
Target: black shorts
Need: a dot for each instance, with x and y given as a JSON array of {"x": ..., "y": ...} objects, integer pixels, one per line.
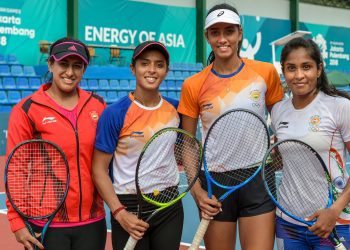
[
  {"x": 250, "y": 200},
  {"x": 165, "y": 227},
  {"x": 88, "y": 237}
]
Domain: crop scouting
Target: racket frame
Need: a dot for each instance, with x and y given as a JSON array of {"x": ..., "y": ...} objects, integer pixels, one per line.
[
  {"x": 258, "y": 164},
  {"x": 22, "y": 215},
  {"x": 333, "y": 236},
  {"x": 162, "y": 205}
]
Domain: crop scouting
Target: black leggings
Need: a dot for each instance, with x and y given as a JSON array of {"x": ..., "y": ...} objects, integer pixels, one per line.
[
  {"x": 88, "y": 237},
  {"x": 164, "y": 232}
]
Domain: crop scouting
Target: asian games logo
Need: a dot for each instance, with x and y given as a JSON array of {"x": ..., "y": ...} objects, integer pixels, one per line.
[
  {"x": 314, "y": 123},
  {"x": 322, "y": 44},
  {"x": 255, "y": 95}
]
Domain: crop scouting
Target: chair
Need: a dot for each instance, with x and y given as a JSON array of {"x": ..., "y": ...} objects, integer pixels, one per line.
[
  {"x": 163, "y": 86},
  {"x": 185, "y": 74},
  {"x": 199, "y": 66},
  {"x": 12, "y": 59},
  {"x": 5, "y": 70},
  {"x": 112, "y": 96},
  {"x": 178, "y": 84},
  {"x": 102, "y": 93},
  {"x": 9, "y": 83},
  {"x": 173, "y": 94},
  {"x": 2, "y": 59},
  {"x": 171, "y": 85},
  {"x": 83, "y": 84},
  {"x": 13, "y": 96},
  {"x": 34, "y": 83},
  {"x": 5, "y": 108},
  {"x": 103, "y": 84},
  {"x": 122, "y": 93},
  {"x": 132, "y": 84},
  {"x": 93, "y": 84},
  {"x": 114, "y": 84},
  {"x": 22, "y": 83},
  {"x": 178, "y": 75},
  {"x": 16, "y": 70},
  {"x": 124, "y": 85},
  {"x": 29, "y": 71},
  {"x": 170, "y": 75},
  {"x": 3, "y": 97},
  {"x": 26, "y": 93}
]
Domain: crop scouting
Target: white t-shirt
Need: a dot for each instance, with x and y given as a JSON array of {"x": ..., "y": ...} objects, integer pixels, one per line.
[{"x": 324, "y": 124}]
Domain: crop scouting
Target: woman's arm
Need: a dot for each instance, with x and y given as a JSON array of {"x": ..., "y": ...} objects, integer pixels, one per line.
[
  {"x": 327, "y": 218},
  {"x": 100, "y": 163},
  {"x": 209, "y": 207}
]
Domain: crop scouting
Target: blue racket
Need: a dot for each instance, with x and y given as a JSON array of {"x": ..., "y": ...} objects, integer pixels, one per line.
[
  {"x": 298, "y": 182},
  {"x": 233, "y": 152}
]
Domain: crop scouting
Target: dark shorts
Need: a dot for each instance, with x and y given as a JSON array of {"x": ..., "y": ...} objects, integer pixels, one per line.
[
  {"x": 165, "y": 227},
  {"x": 88, "y": 237},
  {"x": 250, "y": 200}
]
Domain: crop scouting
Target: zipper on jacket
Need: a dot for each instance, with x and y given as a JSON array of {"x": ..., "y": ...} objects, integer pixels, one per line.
[{"x": 78, "y": 148}]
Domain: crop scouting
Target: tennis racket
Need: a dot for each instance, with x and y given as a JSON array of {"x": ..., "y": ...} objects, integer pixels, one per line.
[
  {"x": 233, "y": 151},
  {"x": 298, "y": 182},
  {"x": 167, "y": 168},
  {"x": 36, "y": 181}
]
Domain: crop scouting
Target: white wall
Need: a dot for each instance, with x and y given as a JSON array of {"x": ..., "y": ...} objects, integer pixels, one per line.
[{"x": 278, "y": 9}]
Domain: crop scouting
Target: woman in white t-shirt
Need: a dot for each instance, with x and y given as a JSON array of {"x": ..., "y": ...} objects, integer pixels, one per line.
[{"x": 319, "y": 115}]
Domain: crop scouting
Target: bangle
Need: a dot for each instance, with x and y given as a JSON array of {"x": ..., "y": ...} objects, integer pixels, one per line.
[{"x": 115, "y": 212}]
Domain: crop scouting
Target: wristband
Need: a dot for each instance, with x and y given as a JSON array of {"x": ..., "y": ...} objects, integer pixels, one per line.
[{"x": 115, "y": 212}]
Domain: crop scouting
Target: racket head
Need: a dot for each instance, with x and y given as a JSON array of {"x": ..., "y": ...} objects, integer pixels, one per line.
[
  {"x": 168, "y": 167},
  {"x": 36, "y": 178},
  {"x": 235, "y": 147},
  {"x": 296, "y": 179}
]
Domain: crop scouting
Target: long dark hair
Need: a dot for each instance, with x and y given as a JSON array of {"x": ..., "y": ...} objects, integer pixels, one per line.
[
  {"x": 225, "y": 6},
  {"x": 314, "y": 52}
]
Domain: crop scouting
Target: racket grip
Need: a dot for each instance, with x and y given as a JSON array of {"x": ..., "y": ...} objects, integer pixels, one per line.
[
  {"x": 340, "y": 246},
  {"x": 130, "y": 245},
  {"x": 202, "y": 228}
]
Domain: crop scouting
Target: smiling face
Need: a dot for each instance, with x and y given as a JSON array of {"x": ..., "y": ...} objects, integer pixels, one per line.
[
  {"x": 301, "y": 73},
  {"x": 224, "y": 39},
  {"x": 66, "y": 73},
  {"x": 150, "y": 69}
]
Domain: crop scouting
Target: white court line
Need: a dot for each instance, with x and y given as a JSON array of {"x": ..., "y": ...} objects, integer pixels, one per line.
[
  {"x": 3, "y": 211},
  {"x": 189, "y": 244}
]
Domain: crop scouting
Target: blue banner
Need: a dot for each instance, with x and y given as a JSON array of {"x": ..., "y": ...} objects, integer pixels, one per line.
[{"x": 24, "y": 23}]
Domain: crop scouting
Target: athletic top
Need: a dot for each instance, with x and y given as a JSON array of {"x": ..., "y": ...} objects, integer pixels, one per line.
[
  {"x": 123, "y": 130},
  {"x": 324, "y": 125},
  {"x": 209, "y": 94}
]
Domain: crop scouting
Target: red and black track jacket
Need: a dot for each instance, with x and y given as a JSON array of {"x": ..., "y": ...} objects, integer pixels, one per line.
[{"x": 36, "y": 117}]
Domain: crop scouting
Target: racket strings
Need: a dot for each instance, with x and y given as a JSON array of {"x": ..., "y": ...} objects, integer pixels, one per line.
[
  {"x": 297, "y": 179},
  {"x": 169, "y": 166},
  {"x": 235, "y": 146},
  {"x": 36, "y": 180}
]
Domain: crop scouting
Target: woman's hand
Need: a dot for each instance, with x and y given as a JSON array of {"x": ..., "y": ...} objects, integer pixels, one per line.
[
  {"x": 133, "y": 225},
  {"x": 24, "y": 237},
  {"x": 209, "y": 207},
  {"x": 326, "y": 220}
]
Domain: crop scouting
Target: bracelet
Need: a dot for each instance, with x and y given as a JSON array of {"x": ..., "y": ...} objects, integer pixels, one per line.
[{"x": 115, "y": 212}]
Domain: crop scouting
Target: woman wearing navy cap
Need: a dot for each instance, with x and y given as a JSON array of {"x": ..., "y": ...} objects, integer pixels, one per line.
[
  {"x": 73, "y": 114},
  {"x": 143, "y": 112}
]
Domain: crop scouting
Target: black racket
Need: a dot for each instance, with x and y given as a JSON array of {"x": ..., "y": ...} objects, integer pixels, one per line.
[{"x": 36, "y": 181}]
